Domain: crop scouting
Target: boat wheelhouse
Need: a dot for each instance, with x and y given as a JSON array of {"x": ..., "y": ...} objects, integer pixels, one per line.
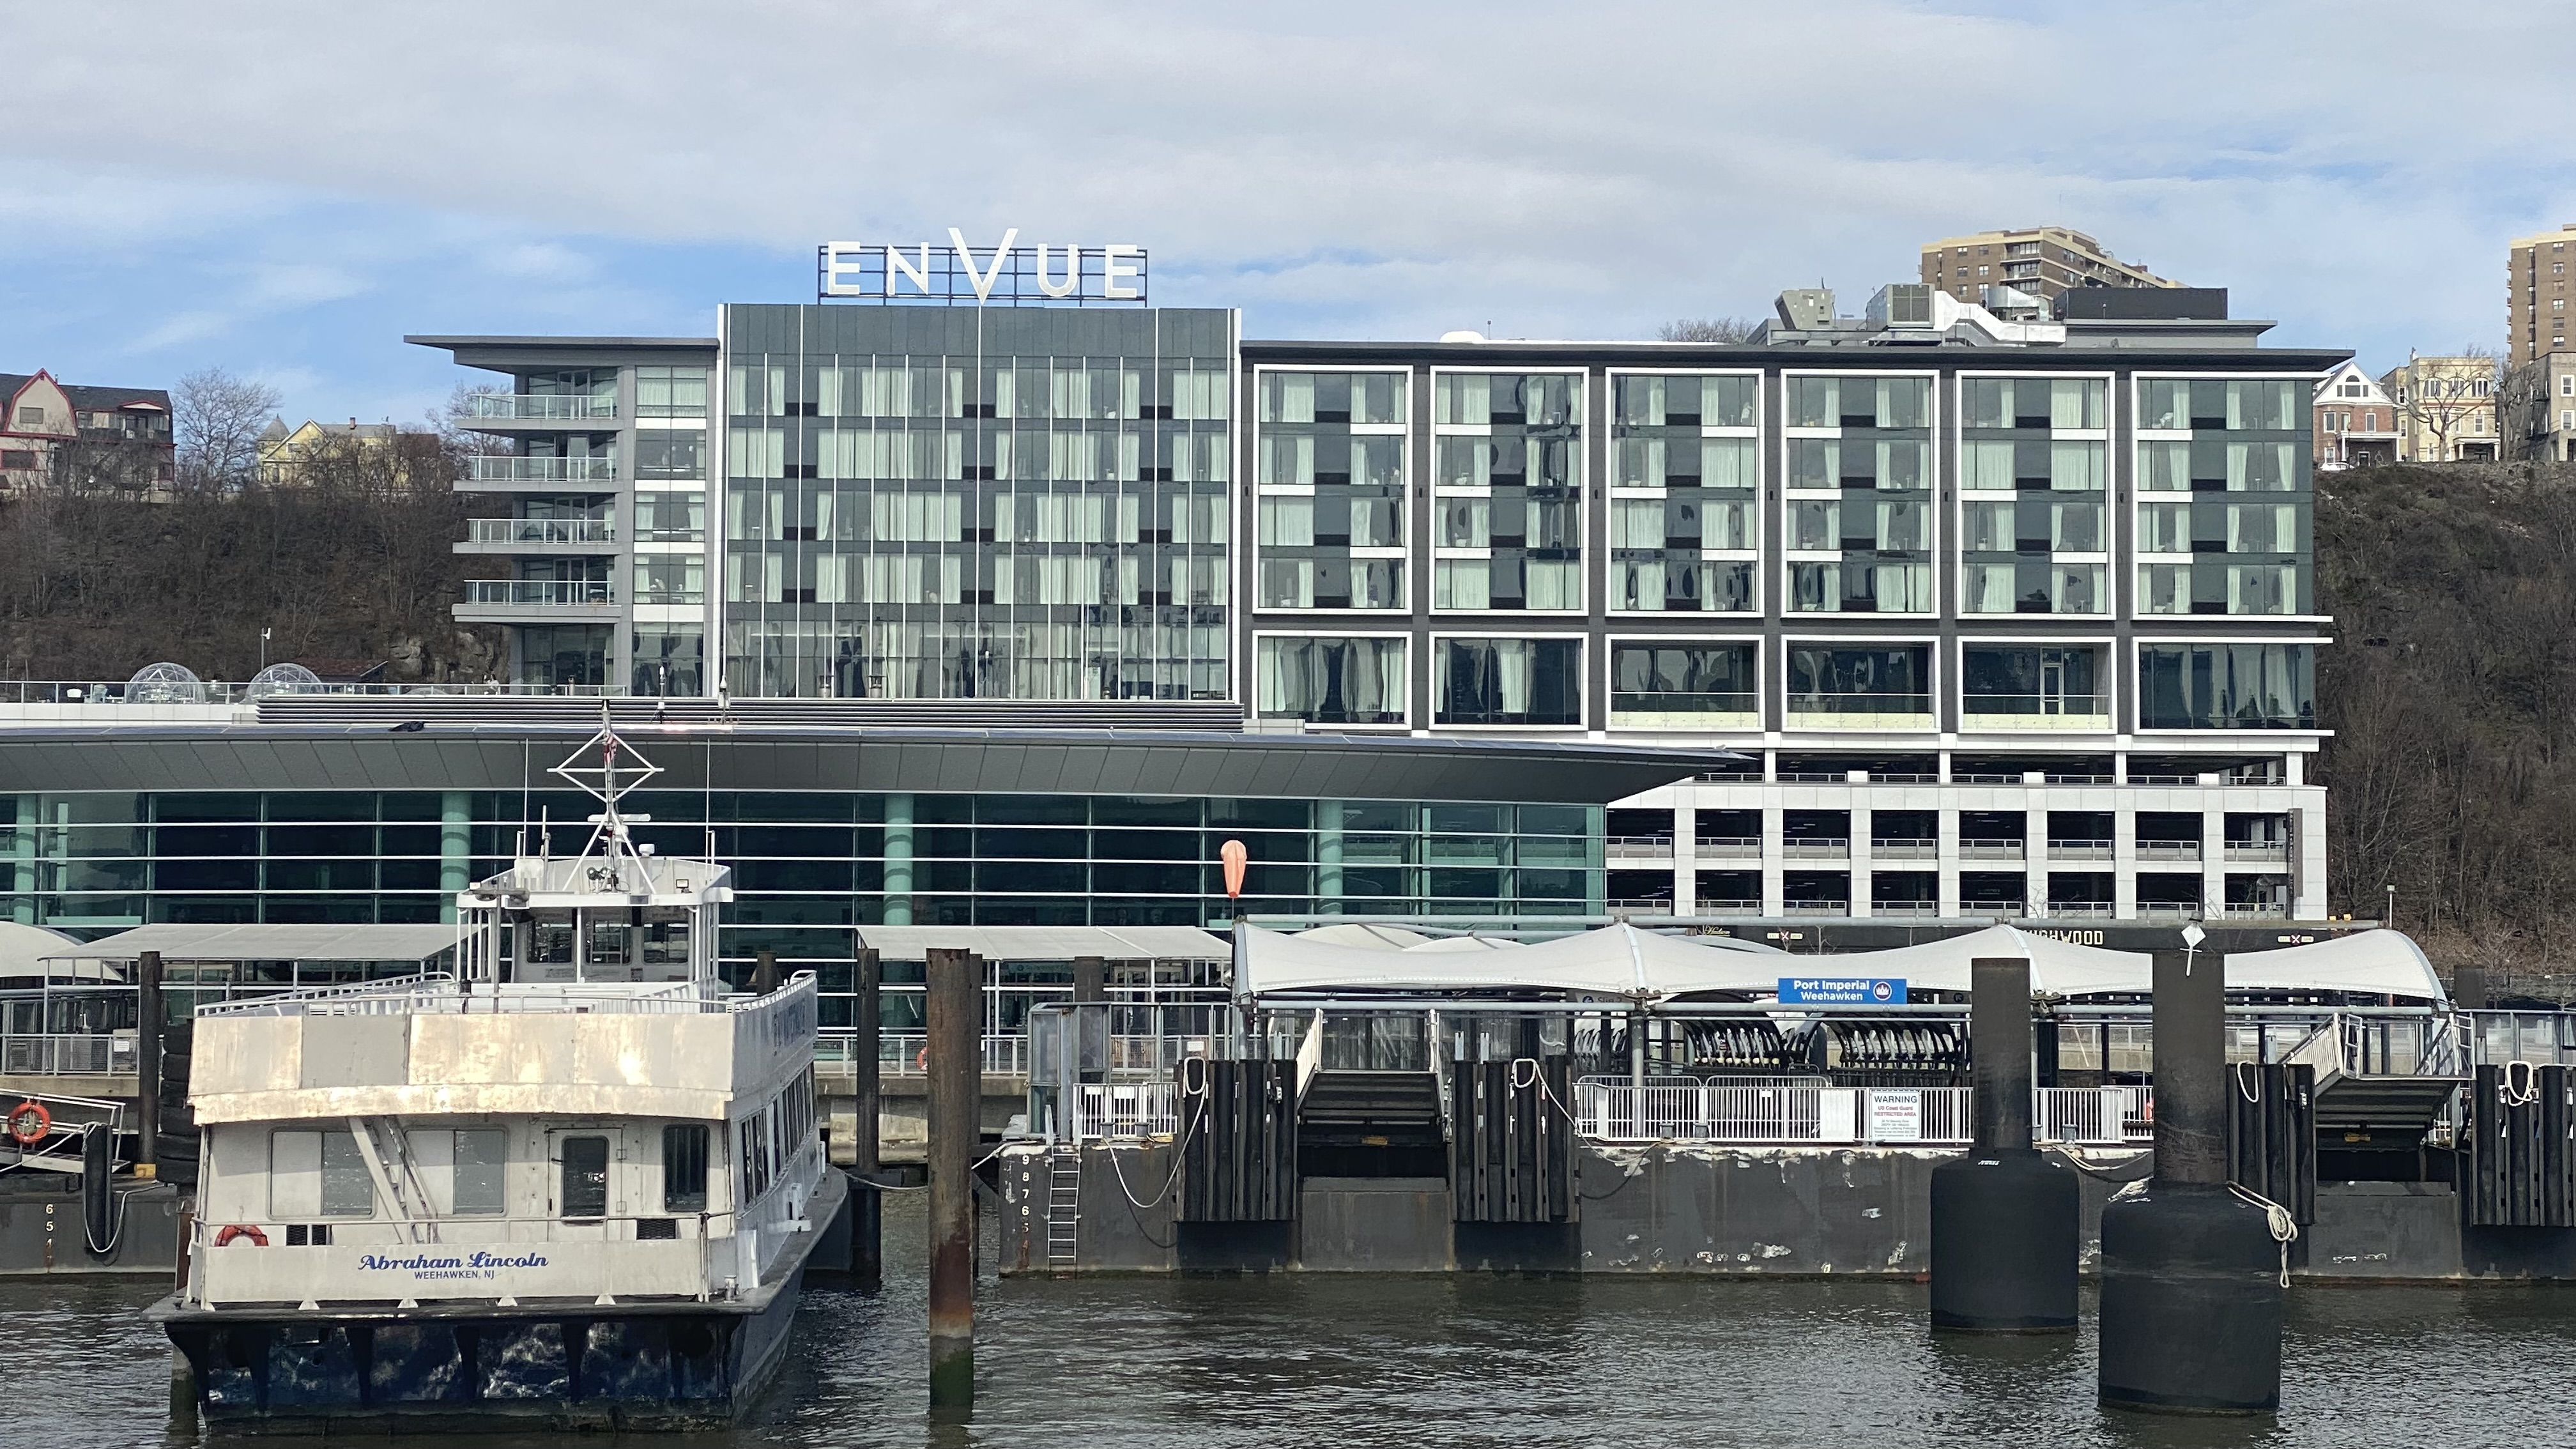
[{"x": 576, "y": 1180}]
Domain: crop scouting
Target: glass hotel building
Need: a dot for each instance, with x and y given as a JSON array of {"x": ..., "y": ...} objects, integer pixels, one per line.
[{"x": 1996, "y": 618}]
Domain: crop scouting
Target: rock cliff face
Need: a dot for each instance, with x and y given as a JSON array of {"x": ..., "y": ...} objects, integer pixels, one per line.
[
  {"x": 2451, "y": 691},
  {"x": 97, "y": 586}
]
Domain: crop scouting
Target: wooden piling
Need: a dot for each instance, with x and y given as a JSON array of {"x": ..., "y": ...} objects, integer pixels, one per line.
[
  {"x": 867, "y": 1202},
  {"x": 147, "y": 1064},
  {"x": 955, "y": 987}
]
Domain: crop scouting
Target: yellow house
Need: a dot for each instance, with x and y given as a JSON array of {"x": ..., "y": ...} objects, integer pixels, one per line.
[
  {"x": 283, "y": 451},
  {"x": 2446, "y": 408}
]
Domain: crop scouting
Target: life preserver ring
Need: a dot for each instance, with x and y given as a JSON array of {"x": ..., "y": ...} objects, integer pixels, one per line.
[
  {"x": 921, "y": 1060},
  {"x": 30, "y": 1123},
  {"x": 241, "y": 1230}
]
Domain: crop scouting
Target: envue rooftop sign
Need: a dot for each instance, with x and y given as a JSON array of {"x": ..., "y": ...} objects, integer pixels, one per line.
[{"x": 959, "y": 274}]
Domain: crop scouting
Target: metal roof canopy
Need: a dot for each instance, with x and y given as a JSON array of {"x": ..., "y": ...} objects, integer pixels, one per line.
[
  {"x": 178, "y": 942},
  {"x": 1048, "y": 943}
]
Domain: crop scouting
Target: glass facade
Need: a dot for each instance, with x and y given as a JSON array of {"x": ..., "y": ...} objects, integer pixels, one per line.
[
  {"x": 1858, "y": 494},
  {"x": 1684, "y": 685},
  {"x": 2224, "y": 497},
  {"x": 1343, "y": 680},
  {"x": 808, "y": 865},
  {"x": 1507, "y": 682},
  {"x": 1333, "y": 489},
  {"x": 1685, "y": 493},
  {"x": 1507, "y": 491},
  {"x": 2032, "y": 531},
  {"x": 961, "y": 503},
  {"x": 2003, "y": 685}
]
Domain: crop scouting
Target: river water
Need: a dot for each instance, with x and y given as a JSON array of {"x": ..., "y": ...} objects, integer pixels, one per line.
[{"x": 1281, "y": 1361}]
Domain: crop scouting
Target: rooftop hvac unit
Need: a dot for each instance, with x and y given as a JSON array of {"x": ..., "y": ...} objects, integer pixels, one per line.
[{"x": 1903, "y": 305}]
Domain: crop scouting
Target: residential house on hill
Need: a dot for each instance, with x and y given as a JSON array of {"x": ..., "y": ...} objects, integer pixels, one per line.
[{"x": 82, "y": 436}]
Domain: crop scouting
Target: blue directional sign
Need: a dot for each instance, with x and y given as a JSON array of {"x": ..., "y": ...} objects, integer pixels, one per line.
[{"x": 1842, "y": 991}]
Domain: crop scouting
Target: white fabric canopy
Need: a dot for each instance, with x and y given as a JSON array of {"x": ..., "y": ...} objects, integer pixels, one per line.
[
  {"x": 1612, "y": 962},
  {"x": 2367, "y": 962},
  {"x": 1623, "y": 962}
]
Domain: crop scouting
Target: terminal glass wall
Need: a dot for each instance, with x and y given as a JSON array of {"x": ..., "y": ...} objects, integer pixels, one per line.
[
  {"x": 977, "y": 503},
  {"x": 808, "y": 865}
]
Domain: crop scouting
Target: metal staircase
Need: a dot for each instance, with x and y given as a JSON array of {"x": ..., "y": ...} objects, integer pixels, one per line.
[{"x": 2366, "y": 1089}]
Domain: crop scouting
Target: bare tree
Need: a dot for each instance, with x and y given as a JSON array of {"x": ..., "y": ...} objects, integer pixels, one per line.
[
  {"x": 2447, "y": 394},
  {"x": 218, "y": 417},
  {"x": 1706, "y": 329}
]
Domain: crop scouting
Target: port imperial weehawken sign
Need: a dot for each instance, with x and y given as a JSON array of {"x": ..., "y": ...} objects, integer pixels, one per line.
[{"x": 957, "y": 274}]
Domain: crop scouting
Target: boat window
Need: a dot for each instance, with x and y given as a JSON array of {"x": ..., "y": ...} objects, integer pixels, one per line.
[
  {"x": 684, "y": 1167},
  {"x": 608, "y": 943},
  {"x": 585, "y": 1177},
  {"x": 348, "y": 1189},
  {"x": 549, "y": 942},
  {"x": 481, "y": 1153}
]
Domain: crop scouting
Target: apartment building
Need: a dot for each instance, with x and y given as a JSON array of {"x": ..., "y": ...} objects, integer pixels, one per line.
[
  {"x": 115, "y": 438},
  {"x": 2536, "y": 294},
  {"x": 2042, "y": 261},
  {"x": 2356, "y": 420},
  {"x": 2446, "y": 408},
  {"x": 2001, "y": 617}
]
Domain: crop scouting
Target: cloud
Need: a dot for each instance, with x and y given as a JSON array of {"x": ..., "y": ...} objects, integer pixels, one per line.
[{"x": 1336, "y": 168}]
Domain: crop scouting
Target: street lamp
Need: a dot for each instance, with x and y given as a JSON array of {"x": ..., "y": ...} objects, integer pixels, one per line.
[{"x": 263, "y": 647}]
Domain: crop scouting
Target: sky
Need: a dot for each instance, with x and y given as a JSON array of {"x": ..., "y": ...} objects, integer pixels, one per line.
[{"x": 285, "y": 189}]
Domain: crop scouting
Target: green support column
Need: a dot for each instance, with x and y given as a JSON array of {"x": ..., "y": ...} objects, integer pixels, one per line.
[
  {"x": 22, "y": 886},
  {"x": 1328, "y": 858},
  {"x": 455, "y": 850},
  {"x": 898, "y": 860},
  {"x": 1596, "y": 878}
]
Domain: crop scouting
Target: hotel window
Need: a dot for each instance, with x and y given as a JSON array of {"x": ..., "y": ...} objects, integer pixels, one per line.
[
  {"x": 1333, "y": 483},
  {"x": 2032, "y": 535},
  {"x": 1858, "y": 506},
  {"x": 670, "y": 392},
  {"x": 2224, "y": 507},
  {"x": 1330, "y": 680},
  {"x": 2032, "y": 684},
  {"x": 670, "y": 453},
  {"x": 2227, "y": 686},
  {"x": 1683, "y": 685},
  {"x": 1685, "y": 494},
  {"x": 1867, "y": 684},
  {"x": 1507, "y": 682},
  {"x": 1507, "y": 492}
]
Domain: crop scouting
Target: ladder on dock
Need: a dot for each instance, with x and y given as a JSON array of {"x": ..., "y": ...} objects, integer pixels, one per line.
[{"x": 1063, "y": 1205}]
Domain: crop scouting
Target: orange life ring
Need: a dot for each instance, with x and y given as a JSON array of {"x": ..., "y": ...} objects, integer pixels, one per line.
[
  {"x": 921, "y": 1059},
  {"x": 30, "y": 1123},
  {"x": 241, "y": 1230}
]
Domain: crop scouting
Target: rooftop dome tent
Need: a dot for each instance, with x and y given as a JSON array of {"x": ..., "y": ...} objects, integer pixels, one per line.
[
  {"x": 1367, "y": 935},
  {"x": 2367, "y": 963},
  {"x": 1614, "y": 962},
  {"x": 2057, "y": 967},
  {"x": 34, "y": 953}
]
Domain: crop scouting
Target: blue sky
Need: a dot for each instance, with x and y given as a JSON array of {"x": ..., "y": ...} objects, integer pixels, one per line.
[{"x": 287, "y": 188}]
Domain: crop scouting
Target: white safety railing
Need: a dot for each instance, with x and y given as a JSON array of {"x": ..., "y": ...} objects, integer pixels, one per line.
[
  {"x": 56, "y": 1054},
  {"x": 1758, "y": 1110},
  {"x": 1126, "y": 1110},
  {"x": 906, "y": 1054},
  {"x": 2093, "y": 1116}
]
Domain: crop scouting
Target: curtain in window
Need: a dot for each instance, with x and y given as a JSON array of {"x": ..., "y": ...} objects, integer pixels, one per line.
[
  {"x": 2075, "y": 467},
  {"x": 1639, "y": 585},
  {"x": 1466, "y": 401},
  {"x": 2075, "y": 402},
  {"x": 1816, "y": 588},
  {"x": 1727, "y": 463},
  {"x": 1641, "y": 463},
  {"x": 2261, "y": 467},
  {"x": 1512, "y": 671},
  {"x": 1463, "y": 583},
  {"x": 1901, "y": 527},
  {"x": 1727, "y": 525},
  {"x": 1988, "y": 588},
  {"x": 1553, "y": 584},
  {"x": 2075, "y": 588},
  {"x": 2262, "y": 405},
  {"x": 1903, "y": 588},
  {"x": 1815, "y": 463},
  {"x": 2076, "y": 527},
  {"x": 1288, "y": 522},
  {"x": 1901, "y": 465},
  {"x": 1987, "y": 466},
  {"x": 2164, "y": 588}
]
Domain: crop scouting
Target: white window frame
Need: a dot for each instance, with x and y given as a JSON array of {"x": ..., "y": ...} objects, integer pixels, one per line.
[
  {"x": 2106, "y": 646},
  {"x": 1941, "y": 479},
  {"x": 2109, "y": 555},
  {"x": 1432, "y": 552},
  {"x": 2140, "y": 643},
  {"x": 1412, "y": 675},
  {"x": 1761, "y": 679},
  {"x": 1935, "y": 688},
  {"x": 1611, "y": 493},
  {"x": 1431, "y": 683},
  {"x": 1249, "y": 494}
]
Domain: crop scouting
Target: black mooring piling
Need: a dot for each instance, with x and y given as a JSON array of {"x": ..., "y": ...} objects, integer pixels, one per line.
[
  {"x": 2005, "y": 1225},
  {"x": 2191, "y": 1288},
  {"x": 955, "y": 988},
  {"x": 867, "y": 1201}
]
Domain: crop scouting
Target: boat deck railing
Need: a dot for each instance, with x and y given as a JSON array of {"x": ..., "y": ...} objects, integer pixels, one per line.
[
  {"x": 440, "y": 994},
  {"x": 1788, "y": 1111}
]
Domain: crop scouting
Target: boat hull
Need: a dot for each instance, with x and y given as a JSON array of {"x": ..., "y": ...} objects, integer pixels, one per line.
[{"x": 629, "y": 1366}]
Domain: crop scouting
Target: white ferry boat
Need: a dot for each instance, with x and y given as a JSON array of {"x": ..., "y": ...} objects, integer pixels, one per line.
[{"x": 575, "y": 1182}]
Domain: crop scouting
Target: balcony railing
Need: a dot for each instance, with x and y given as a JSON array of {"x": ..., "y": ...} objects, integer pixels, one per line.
[
  {"x": 1728, "y": 847},
  {"x": 1816, "y": 848},
  {"x": 541, "y": 593},
  {"x": 2036, "y": 705},
  {"x": 2169, "y": 910},
  {"x": 2263, "y": 850},
  {"x": 1989, "y": 849},
  {"x": 1643, "y": 905},
  {"x": 1858, "y": 702},
  {"x": 60, "y": 1054},
  {"x": 1627, "y": 702},
  {"x": 2255, "y": 910},
  {"x": 544, "y": 531},
  {"x": 1896, "y": 848},
  {"x": 1708, "y": 907},
  {"x": 1638, "y": 847},
  {"x": 1905, "y": 908},
  {"x": 2080, "y": 849},
  {"x": 2168, "y": 850},
  {"x": 504, "y": 468},
  {"x": 1816, "y": 908},
  {"x": 531, "y": 407},
  {"x": 2078, "y": 910}
]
